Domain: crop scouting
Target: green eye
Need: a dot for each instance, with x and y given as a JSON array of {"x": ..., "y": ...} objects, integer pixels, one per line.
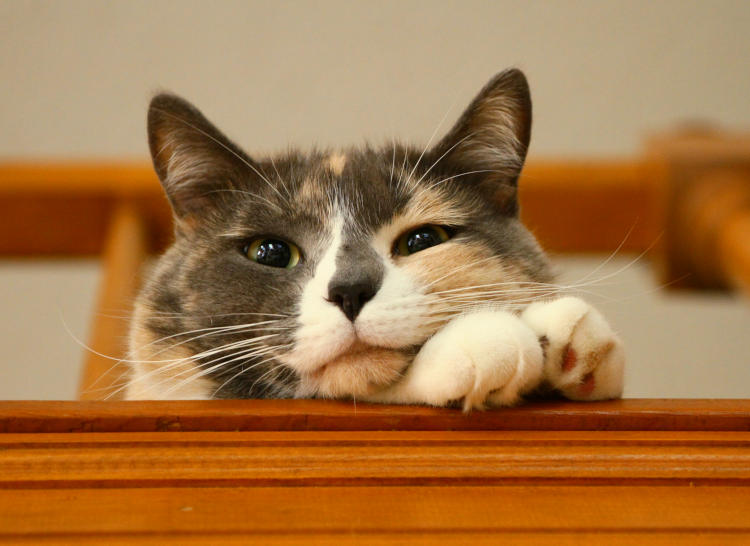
[
  {"x": 272, "y": 252},
  {"x": 419, "y": 239}
]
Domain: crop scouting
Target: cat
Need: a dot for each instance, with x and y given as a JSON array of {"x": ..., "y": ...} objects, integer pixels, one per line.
[{"x": 392, "y": 275}]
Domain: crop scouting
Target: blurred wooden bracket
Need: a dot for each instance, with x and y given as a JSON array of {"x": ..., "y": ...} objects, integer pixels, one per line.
[{"x": 706, "y": 181}]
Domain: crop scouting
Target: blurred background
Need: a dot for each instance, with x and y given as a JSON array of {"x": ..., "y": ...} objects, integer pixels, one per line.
[{"x": 78, "y": 76}]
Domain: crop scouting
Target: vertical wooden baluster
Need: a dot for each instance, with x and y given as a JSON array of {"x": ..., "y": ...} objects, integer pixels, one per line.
[
  {"x": 711, "y": 228},
  {"x": 125, "y": 250},
  {"x": 707, "y": 208},
  {"x": 734, "y": 249}
]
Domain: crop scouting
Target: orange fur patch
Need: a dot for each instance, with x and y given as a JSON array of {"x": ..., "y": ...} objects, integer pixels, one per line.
[
  {"x": 160, "y": 368},
  {"x": 361, "y": 371},
  {"x": 336, "y": 163}
]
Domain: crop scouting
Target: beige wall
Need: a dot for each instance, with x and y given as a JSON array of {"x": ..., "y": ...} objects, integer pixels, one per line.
[{"x": 77, "y": 75}]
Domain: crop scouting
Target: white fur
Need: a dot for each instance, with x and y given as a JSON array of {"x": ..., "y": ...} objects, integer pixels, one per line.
[
  {"x": 395, "y": 317},
  {"x": 494, "y": 357},
  {"x": 324, "y": 331},
  {"x": 571, "y": 322},
  {"x": 489, "y": 356}
]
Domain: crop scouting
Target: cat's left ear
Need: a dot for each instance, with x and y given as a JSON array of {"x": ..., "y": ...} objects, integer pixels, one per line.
[
  {"x": 491, "y": 138},
  {"x": 197, "y": 165}
]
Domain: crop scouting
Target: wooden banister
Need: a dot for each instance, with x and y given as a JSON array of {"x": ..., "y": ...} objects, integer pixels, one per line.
[
  {"x": 287, "y": 472},
  {"x": 572, "y": 206},
  {"x": 321, "y": 415}
]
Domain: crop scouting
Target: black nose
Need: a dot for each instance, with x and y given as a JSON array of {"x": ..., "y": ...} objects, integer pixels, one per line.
[{"x": 351, "y": 298}]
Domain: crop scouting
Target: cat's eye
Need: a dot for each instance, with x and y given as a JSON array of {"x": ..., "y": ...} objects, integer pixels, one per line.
[
  {"x": 272, "y": 252},
  {"x": 419, "y": 239}
]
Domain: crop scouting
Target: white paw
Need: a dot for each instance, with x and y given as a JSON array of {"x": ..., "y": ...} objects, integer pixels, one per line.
[
  {"x": 483, "y": 358},
  {"x": 584, "y": 359}
]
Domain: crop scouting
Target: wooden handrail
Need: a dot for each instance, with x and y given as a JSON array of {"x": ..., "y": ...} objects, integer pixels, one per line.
[
  {"x": 387, "y": 487},
  {"x": 320, "y": 415},
  {"x": 572, "y": 206}
]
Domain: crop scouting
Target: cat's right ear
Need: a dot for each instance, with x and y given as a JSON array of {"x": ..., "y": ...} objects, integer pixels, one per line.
[{"x": 195, "y": 162}]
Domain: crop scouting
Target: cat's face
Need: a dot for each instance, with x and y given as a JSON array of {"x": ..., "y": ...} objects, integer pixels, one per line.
[{"x": 321, "y": 274}]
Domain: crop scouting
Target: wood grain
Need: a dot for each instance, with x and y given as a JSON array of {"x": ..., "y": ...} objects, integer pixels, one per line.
[
  {"x": 365, "y": 510},
  {"x": 83, "y": 460},
  {"x": 422, "y": 537},
  {"x": 290, "y": 415},
  {"x": 333, "y": 474}
]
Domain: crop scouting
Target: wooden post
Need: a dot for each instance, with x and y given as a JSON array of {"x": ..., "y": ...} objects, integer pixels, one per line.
[
  {"x": 125, "y": 250},
  {"x": 707, "y": 210},
  {"x": 733, "y": 243}
]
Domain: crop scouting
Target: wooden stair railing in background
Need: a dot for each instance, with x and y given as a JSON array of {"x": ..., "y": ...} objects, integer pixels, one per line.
[{"x": 64, "y": 209}]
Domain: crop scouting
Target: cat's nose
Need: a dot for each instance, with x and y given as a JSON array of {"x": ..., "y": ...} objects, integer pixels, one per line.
[{"x": 351, "y": 298}]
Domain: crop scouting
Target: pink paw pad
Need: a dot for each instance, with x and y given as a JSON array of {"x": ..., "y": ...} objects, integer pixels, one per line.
[
  {"x": 587, "y": 385},
  {"x": 569, "y": 359}
]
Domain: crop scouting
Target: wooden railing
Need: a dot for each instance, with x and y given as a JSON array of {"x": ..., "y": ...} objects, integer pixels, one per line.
[{"x": 313, "y": 471}]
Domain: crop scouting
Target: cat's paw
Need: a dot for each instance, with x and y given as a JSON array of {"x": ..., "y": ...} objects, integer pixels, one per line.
[
  {"x": 583, "y": 358},
  {"x": 485, "y": 358}
]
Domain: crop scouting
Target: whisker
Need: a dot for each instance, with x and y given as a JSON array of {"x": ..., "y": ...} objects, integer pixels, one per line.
[
  {"x": 168, "y": 364},
  {"x": 432, "y": 137},
  {"x": 205, "y": 371},
  {"x": 220, "y": 143},
  {"x": 249, "y": 353},
  {"x": 281, "y": 180}
]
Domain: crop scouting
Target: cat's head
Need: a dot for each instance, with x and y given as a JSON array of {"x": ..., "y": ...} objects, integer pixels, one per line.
[{"x": 322, "y": 273}]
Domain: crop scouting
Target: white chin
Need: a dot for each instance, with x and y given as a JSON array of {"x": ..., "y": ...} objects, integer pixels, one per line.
[
  {"x": 316, "y": 348},
  {"x": 360, "y": 371}
]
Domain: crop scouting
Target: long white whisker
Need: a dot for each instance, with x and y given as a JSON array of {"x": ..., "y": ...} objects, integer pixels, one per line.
[
  {"x": 227, "y": 148},
  {"x": 251, "y": 194},
  {"x": 424, "y": 151},
  {"x": 610, "y": 257},
  {"x": 449, "y": 150},
  {"x": 283, "y": 184},
  {"x": 174, "y": 363},
  {"x": 205, "y": 371}
]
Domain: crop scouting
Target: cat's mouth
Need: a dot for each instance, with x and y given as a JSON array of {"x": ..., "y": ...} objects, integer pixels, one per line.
[{"x": 360, "y": 370}]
